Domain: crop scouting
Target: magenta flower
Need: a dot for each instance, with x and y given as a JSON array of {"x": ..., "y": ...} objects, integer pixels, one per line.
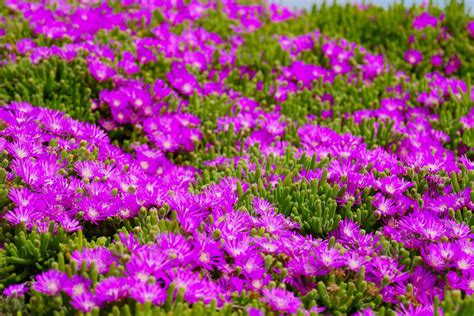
[
  {"x": 418, "y": 310},
  {"x": 111, "y": 289},
  {"x": 145, "y": 292},
  {"x": 281, "y": 300},
  {"x": 194, "y": 286},
  {"x": 385, "y": 268},
  {"x": 51, "y": 282},
  {"x": 25, "y": 215},
  {"x": 425, "y": 285},
  {"x": 15, "y": 290},
  {"x": 78, "y": 286},
  {"x": 182, "y": 80},
  {"x": 393, "y": 185},
  {"x": 413, "y": 56},
  {"x": 453, "y": 65},
  {"x": 84, "y": 302},
  {"x": 437, "y": 60},
  {"x": 100, "y": 71},
  {"x": 383, "y": 205},
  {"x": 252, "y": 311},
  {"x": 175, "y": 246},
  {"x": 208, "y": 252},
  {"x": 100, "y": 256},
  {"x": 353, "y": 261},
  {"x": 424, "y": 20},
  {"x": 470, "y": 28}
]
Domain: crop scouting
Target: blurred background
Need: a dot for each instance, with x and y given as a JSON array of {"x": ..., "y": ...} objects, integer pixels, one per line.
[{"x": 309, "y": 3}]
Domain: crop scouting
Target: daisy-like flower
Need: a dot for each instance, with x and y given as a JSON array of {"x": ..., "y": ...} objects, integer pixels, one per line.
[
  {"x": 425, "y": 225},
  {"x": 281, "y": 300},
  {"x": 25, "y": 215},
  {"x": 84, "y": 302},
  {"x": 383, "y": 205},
  {"x": 100, "y": 71},
  {"x": 393, "y": 185},
  {"x": 470, "y": 28},
  {"x": 437, "y": 60},
  {"x": 101, "y": 256},
  {"x": 385, "y": 267},
  {"x": 424, "y": 20},
  {"x": 15, "y": 290},
  {"x": 51, "y": 282},
  {"x": 425, "y": 285},
  {"x": 437, "y": 257},
  {"x": 182, "y": 80},
  {"x": 354, "y": 261},
  {"x": 418, "y": 310},
  {"x": 413, "y": 56},
  {"x": 78, "y": 286},
  {"x": 145, "y": 292},
  {"x": 208, "y": 252},
  {"x": 252, "y": 311},
  {"x": 111, "y": 289},
  {"x": 176, "y": 246},
  {"x": 130, "y": 242},
  {"x": 453, "y": 65}
]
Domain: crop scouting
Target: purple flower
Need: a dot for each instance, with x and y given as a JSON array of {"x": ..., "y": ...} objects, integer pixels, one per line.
[
  {"x": 100, "y": 256},
  {"x": 145, "y": 55},
  {"x": 145, "y": 292},
  {"x": 208, "y": 252},
  {"x": 384, "y": 206},
  {"x": 78, "y": 286},
  {"x": 470, "y": 28},
  {"x": 195, "y": 287},
  {"x": 462, "y": 281},
  {"x": 25, "y": 215},
  {"x": 182, "y": 80},
  {"x": 281, "y": 300},
  {"x": 84, "y": 302},
  {"x": 437, "y": 60},
  {"x": 175, "y": 246},
  {"x": 100, "y": 71},
  {"x": 365, "y": 312},
  {"x": 130, "y": 242},
  {"x": 94, "y": 210},
  {"x": 385, "y": 268},
  {"x": 353, "y": 261},
  {"x": 413, "y": 56},
  {"x": 418, "y": 310},
  {"x": 15, "y": 290},
  {"x": 51, "y": 282},
  {"x": 252, "y": 311},
  {"x": 111, "y": 289},
  {"x": 393, "y": 185},
  {"x": 147, "y": 261},
  {"x": 425, "y": 285},
  {"x": 453, "y": 65},
  {"x": 424, "y": 20},
  {"x": 425, "y": 225}
]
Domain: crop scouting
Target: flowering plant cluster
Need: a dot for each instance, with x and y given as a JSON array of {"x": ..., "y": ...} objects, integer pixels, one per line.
[{"x": 235, "y": 157}]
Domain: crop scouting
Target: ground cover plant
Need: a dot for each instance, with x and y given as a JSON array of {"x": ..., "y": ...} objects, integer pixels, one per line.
[{"x": 195, "y": 157}]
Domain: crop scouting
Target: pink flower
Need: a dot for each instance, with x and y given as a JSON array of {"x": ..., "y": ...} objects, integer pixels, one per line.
[
  {"x": 15, "y": 290},
  {"x": 413, "y": 56},
  {"x": 51, "y": 282},
  {"x": 470, "y": 28},
  {"x": 281, "y": 300},
  {"x": 101, "y": 256},
  {"x": 84, "y": 302},
  {"x": 424, "y": 20},
  {"x": 100, "y": 71}
]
